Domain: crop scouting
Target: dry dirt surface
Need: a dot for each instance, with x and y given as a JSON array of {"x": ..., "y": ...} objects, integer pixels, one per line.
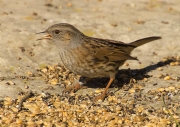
[{"x": 32, "y": 80}]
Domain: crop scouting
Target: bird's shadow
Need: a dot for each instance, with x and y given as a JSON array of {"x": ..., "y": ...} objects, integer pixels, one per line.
[{"x": 126, "y": 76}]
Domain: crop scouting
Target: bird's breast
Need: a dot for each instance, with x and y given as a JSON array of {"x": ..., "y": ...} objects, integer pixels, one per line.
[{"x": 82, "y": 62}]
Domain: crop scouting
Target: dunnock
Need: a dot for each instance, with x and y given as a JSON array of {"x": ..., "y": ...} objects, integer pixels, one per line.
[{"x": 88, "y": 56}]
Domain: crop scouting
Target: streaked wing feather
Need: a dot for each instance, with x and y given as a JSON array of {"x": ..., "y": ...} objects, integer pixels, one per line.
[
  {"x": 113, "y": 55},
  {"x": 110, "y": 50}
]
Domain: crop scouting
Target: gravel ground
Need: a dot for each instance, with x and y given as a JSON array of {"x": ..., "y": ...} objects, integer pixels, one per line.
[{"x": 145, "y": 93}]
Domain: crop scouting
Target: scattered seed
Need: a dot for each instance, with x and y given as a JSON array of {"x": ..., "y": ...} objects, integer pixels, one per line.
[
  {"x": 159, "y": 69},
  {"x": 10, "y": 83},
  {"x": 167, "y": 78}
]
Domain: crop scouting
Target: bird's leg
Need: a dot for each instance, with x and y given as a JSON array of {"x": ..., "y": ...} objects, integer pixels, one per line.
[{"x": 103, "y": 95}]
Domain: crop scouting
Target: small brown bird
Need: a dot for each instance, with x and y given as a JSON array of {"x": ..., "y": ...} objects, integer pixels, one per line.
[{"x": 91, "y": 57}]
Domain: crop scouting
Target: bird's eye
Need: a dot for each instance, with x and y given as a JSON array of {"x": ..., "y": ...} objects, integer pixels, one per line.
[{"x": 56, "y": 31}]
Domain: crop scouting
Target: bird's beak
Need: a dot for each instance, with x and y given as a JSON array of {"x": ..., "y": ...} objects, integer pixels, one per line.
[{"x": 48, "y": 36}]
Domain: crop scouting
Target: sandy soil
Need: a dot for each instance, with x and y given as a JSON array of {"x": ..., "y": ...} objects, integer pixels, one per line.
[{"x": 21, "y": 55}]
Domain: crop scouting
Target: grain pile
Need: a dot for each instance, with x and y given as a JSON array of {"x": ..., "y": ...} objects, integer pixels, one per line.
[{"x": 127, "y": 107}]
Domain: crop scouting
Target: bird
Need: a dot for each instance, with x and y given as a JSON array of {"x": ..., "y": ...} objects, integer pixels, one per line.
[{"x": 89, "y": 56}]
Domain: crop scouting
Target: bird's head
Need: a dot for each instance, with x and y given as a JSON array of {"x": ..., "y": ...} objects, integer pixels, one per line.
[{"x": 62, "y": 34}]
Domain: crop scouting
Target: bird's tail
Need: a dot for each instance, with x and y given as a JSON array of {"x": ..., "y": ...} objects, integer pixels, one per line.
[{"x": 144, "y": 41}]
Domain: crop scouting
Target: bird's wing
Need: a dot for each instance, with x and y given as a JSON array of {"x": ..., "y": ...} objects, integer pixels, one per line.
[
  {"x": 113, "y": 54},
  {"x": 110, "y": 50}
]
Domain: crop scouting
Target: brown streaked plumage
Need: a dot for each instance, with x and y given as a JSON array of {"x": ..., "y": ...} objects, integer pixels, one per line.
[{"x": 91, "y": 57}]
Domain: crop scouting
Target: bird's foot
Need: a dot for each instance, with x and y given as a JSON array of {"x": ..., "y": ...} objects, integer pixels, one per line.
[
  {"x": 77, "y": 84},
  {"x": 73, "y": 88},
  {"x": 100, "y": 97}
]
